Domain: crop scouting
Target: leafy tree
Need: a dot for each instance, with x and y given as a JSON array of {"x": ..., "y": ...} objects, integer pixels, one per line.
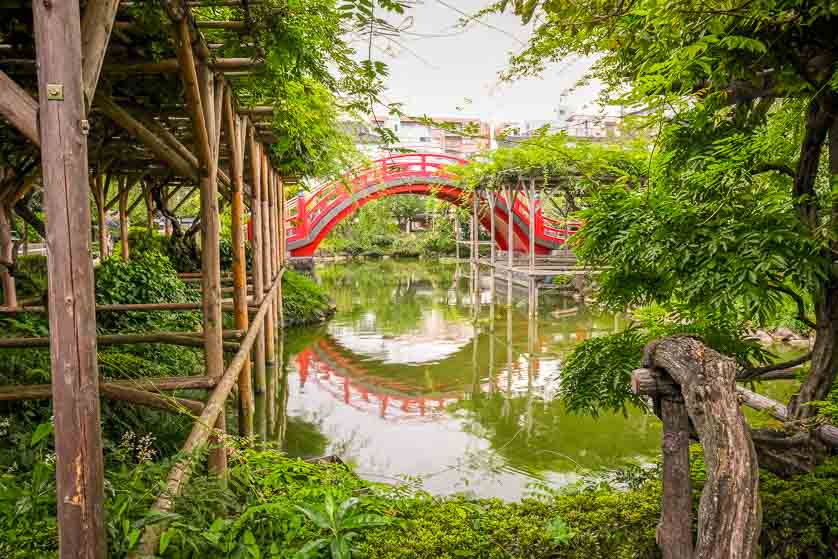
[{"x": 738, "y": 216}]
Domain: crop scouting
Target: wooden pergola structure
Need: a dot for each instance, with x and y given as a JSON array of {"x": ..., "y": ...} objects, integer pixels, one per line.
[
  {"x": 528, "y": 268},
  {"x": 78, "y": 87}
]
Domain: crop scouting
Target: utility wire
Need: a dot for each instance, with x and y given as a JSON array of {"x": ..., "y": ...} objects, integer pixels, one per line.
[{"x": 471, "y": 17}]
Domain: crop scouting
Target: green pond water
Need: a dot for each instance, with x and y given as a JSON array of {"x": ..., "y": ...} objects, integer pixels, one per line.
[{"x": 421, "y": 374}]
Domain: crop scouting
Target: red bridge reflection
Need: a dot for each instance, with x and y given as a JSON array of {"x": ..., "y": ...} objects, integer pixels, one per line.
[{"x": 328, "y": 366}]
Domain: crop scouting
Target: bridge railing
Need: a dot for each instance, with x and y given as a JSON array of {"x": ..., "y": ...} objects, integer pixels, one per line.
[
  {"x": 320, "y": 202},
  {"x": 545, "y": 226},
  {"x": 331, "y": 194}
]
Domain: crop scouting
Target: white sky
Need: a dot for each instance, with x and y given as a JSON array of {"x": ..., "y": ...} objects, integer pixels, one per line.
[{"x": 438, "y": 75}]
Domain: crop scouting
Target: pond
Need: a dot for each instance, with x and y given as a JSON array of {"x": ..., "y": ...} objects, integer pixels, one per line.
[{"x": 422, "y": 374}]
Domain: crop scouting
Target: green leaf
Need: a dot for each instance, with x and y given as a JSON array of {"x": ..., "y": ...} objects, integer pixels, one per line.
[
  {"x": 42, "y": 431},
  {"x": 165, "y": 538}
]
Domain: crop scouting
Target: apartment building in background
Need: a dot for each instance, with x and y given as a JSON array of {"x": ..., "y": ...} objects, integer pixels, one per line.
[{"x": 456, "y": 136}]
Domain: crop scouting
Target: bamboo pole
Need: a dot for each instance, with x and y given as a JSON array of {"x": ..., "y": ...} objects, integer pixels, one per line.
[
  {"x": 259, "y": 373},
  {"x": 233, "y": 125},
  {"x": 268, "y": 274},
  {"x": 173, "y": 338},
  {"x": 457, "y": 231},
  {"x": 474, "y": 247},
  {"x": 210, "y": 256},
  {"x": 282, "y": 247},
  {"x": 273, "y": 202},
  {"x": 532, "y": 225},
  {"x": 79, "y": 468},
  {"x": 511, "y": 194},
  {"x": 492, "y": 201},
  {"x": 110, "y": 390}
]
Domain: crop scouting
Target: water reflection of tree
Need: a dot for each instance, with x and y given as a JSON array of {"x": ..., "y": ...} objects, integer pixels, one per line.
[
  {"x": 395, "y": 295},
  {"x": 535, "y": 435}
]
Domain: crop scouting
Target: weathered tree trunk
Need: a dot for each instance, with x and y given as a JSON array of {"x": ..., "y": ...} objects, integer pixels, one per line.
[
  {"x": 824, "y": 356},
  {"x": 729, "y": 514},
  {"x": 819, "y": 122}
]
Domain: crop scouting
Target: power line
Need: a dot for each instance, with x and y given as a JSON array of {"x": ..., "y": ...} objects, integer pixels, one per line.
[{"x": 471, "y": 17}]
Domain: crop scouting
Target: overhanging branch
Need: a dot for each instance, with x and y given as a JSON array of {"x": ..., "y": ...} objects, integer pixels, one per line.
[
  {"x": 798, "y": 300},
  {"x": 755, "y": 373}
]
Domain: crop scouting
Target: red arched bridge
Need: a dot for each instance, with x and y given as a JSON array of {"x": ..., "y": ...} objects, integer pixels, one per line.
[{"x": 318, "y": 212}]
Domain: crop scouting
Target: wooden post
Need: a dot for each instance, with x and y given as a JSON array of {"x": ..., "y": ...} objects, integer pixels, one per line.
[
  {"x": 457, "y": 230},
  {"x": 123, "y": 220},
  {"x": 532, "y": 225},
  {"x": 101, "y": 217},
  {"x": 267, "y": 278},
  {"x": 7, "y": 255},
  {"x": 492, "y": 200},
  {"x": 260, "y": 381},
  {"x": 283, "y": 231},
  {"x": 283, "y": 242},
  {"x": 149, "y": 209},
  {"x": 674, "y": 533},
  {"x": 236, "y": 143},
  {"x": 511, "y": 194},
  {"x": 210, "y": 258},
  {"x": 25, "y": 237},
  {"x": 72, "y": 315},
  {"x": 475, "y": 253}
]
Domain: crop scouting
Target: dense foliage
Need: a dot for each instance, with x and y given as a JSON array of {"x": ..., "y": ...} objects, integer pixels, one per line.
[
  {"x": 273, "y": 506},
  {"x": 733, "y": 219},
  {"x": 380, "y": 228},
  {"x": 303, "y": 301}
]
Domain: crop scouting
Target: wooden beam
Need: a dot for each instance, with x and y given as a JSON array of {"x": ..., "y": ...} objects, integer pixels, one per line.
[
  {"x": 262, "y": 110},
  {"x": 110, "y": 390},
  {"x": 174, "y": 338},
  {"x": 228, "y": 25},
  {"x": 189, "y": 75},
  {"x": 72, "y": 317},
  {"x": 173, "y": 65},
  {"x": 19, "y": 108},
  {"x": 96, "y": 28},
  {"x": 154, "y": 144}
]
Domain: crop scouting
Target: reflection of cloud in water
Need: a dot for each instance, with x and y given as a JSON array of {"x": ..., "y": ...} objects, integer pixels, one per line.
[
  {"x": 433, "y": 339},
  {"x": 516, "y": 382}
]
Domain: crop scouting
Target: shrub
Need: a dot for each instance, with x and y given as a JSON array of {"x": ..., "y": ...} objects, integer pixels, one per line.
[
  {"x": 182, "y": 252},
  {"x": 303, "y": 301},
  {"x": 147, "y": 278},
  {"x": 31, "y": 275}
]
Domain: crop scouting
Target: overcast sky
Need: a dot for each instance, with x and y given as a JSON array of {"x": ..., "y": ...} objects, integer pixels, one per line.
[{"x": 436, "y": 67}]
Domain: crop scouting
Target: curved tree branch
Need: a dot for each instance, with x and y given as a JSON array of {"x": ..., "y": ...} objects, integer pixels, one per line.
[
  {"x": 755, "y": 372},
  {"x": 798, "y": 300}
]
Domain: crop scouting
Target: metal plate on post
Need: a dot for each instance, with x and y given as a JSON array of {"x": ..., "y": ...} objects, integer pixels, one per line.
[{"x": 55, "y": 92}]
